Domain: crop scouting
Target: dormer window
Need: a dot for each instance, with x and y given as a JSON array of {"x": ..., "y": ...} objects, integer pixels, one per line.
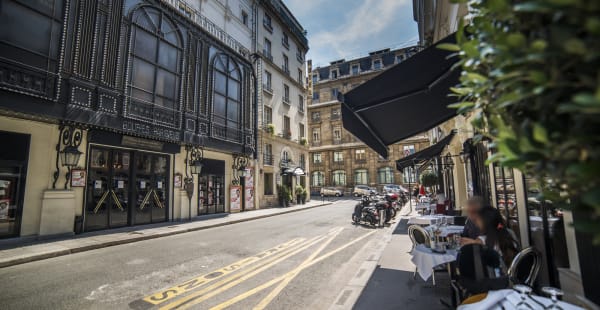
[
  {"x": 377, "y": 64},
  {"x": 334, "y": 74},
  {"x": 399, "y": 58},
  {"x": 355, "y": 69}
]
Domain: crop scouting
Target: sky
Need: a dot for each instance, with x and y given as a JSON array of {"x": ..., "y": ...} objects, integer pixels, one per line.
[{"x": 351, "y": 28}]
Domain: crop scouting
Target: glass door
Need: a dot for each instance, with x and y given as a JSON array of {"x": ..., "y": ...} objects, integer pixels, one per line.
[
  {"x": 211, "y": 194},
  {"x": 506, "y": 199},
  {"x": 151, "y": 175},
  {"x": 11, "y": 177},
  {"x": 119, "y": 191}
]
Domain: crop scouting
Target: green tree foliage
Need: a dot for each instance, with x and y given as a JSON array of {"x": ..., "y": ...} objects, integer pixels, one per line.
[
  {"x": 531, "y": 82},
  {"x": 429, "y": 179}
]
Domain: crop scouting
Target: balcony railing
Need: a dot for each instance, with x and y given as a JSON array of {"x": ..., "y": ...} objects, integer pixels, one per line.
[
  {"x": 360, "y": 160},
  {"x": 335, "y": 116},
  {"x": 286, "y": 100},
  {"x": 268, "y": 159},
  {"x": 267, "y": 55},
  {"x": 316, "y": 119},
  {"x": 267, "y": 88},
  {"x": 337, "y": 141},
  {"x": 286, "y": 135},
  {"x": 285, "y": 69},
  {"x": 316, "y": 143},
  {"x": 317, "y": 162}
]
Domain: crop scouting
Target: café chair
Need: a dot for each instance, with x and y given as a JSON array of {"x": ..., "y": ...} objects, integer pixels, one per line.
[
  {"x": 525, "y": 267},
  {"x": 418, "y": 235},
  {"x": 460, "y": 220},
  {"x": 479, "y": 271}
]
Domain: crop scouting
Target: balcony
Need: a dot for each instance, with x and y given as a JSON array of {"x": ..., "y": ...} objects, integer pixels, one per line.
[
  {"x": 360, "y": 160},
  {"x": 285, "y": 69},
  {"x": 337, "y": 141},
  {"x": 286, "y": 134},
  {"x": 268, "y": 159},
  {"x": 317, "y": 162},
  {"x": 335, "y": 116},
  {"x": 286, "y": 100},
  {"x": 316, "y": 119},
  {"x": 267, "y": 55},
  {"x": 316, "y": 143}
]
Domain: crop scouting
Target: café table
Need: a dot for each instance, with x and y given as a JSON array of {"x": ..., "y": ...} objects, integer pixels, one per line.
[
  {"x": 429, "y": 219},
  {"x": 445, "y": 231},
  {"x": 425, "y": 259},
  {"x": 509, "y": 299}
]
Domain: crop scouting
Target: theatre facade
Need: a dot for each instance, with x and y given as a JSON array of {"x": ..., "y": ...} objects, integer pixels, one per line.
[{"x": 108, "y": 108}]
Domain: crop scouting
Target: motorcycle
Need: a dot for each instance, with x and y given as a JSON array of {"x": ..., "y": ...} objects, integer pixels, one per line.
[{"x": 365, "y": 212}]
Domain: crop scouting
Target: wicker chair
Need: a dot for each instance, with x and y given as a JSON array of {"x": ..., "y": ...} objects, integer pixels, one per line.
[
  {"x": 418, "y": 235},
  {"x": 525, "y": 267}
]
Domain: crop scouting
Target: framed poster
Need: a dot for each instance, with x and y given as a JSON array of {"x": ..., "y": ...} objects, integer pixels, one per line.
[
  {"x": 177, "y": 181},
  {"x": 78, "y": 178},
  {"x": 235, "y": 198}
]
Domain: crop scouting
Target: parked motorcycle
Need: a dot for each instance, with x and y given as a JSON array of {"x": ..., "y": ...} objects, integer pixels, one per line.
[{"x": 365, "y": 212}]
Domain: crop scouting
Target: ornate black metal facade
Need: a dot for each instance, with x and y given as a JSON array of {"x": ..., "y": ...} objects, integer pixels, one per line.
[{"x": 139, "y": 68}]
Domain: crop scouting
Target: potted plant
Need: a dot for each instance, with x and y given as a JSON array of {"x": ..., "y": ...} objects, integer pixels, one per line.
[
  {"x": 303, "y": 141},
  {"x": 304, "y": 196},
  {"x": 271, "y": 129},
  {"x": 299, "y": 193},
  {"x": 282, "y": 195},
  {"x": 429, "y": 179},
  {"x": 290, "y": 197}
]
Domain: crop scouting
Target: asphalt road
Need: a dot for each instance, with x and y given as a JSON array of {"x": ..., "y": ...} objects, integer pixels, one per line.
[{"x": 299, "y": 260}]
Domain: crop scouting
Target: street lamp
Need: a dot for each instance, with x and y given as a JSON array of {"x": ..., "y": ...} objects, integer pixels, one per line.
[
  {"x": 67, "y": 151},
  {"x": 69, "y": 156}
]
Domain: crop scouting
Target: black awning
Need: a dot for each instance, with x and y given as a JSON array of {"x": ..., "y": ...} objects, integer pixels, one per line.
[
  {"x": 423, "y": 156},
  {"x": 403, "y": 101},
  {"x": 293, "y": 171}
]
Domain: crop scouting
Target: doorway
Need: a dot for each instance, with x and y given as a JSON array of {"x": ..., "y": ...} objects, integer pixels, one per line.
[
  {"x": 13, "y": 170},
  {"x": 125, "y": 187}
]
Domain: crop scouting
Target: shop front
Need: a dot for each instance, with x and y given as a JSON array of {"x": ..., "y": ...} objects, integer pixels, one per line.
[
  {"x": 13, "y": 172},
  {"x": 211, "y": 187}
]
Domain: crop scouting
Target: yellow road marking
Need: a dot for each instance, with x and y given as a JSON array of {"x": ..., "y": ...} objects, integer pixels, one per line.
[
  {"x": 280, "y": 278},
  {"x": 192, "y": 284},
  {"x": 223, "y": 285},
  {"x": 267, "y": 300}
]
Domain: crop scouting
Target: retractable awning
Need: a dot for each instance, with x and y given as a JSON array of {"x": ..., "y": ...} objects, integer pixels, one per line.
[
  {"x": 404, "y": 100},
  {"x": 423, "y": 156},
  {"x": 293, "y": 171}
]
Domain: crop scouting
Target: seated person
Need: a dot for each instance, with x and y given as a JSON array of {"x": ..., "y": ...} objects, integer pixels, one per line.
[
  {"x": 471, "y": 230},
  {"x": 495, "y": 234}
]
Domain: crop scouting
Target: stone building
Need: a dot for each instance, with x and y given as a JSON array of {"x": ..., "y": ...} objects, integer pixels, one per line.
[{"x": 337, "y": 158}]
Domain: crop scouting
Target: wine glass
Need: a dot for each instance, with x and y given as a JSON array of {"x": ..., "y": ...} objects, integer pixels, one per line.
[
  {"x": 554, "y": 293},
  {"x": 523, "y": 290}
]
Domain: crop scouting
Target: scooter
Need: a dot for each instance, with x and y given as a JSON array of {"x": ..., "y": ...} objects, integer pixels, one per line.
[{"x": 365, "y": 212}]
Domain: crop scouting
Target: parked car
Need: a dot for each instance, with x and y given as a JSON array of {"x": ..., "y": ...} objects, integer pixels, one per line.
[
  {"x": 363, "y": 190},
  {"x": 393, "y": 188},
  {"x": 330, "y": 191}
]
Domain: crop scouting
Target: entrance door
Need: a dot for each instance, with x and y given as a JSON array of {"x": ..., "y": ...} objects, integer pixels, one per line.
[
  {"x": 13, "y": 169},
  {"x": 125, "y": 188},
  {"x": 151, "y": 175},
  {"x": 212, "y": 194}
]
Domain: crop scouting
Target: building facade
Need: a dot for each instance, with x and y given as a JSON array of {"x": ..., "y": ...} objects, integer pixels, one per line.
[
  {"x": 337, "y": 158},
  {"x": 131, "y": 90},
  {"x": 281, "y": 46}
]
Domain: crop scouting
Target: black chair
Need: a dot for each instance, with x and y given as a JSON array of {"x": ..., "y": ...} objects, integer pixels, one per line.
[
  {"x": 525, "y": 267},
  {"x": 460, "y": 220},
  {"x": 480, "y": 269}
]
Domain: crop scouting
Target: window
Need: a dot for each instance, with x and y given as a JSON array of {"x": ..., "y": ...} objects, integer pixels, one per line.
[
  {"x": 268, "y": 23},
  {"x": 268, "y": 115},
  {"x": 316, "y": 135},
  {"x": 316, "y": 116},
  {"x": 244, "y": 18},
  {"x": 286, "y": 127},
  {"x": 337, "y": 134},
  {"x": 286, "y": 93},
  {"x": 361, "y": 177},
  {"x": 268, "y": 183},
  {"x": 301, "y": 130},
  {"x": 286, "y": 64},
  {"x": 267, "y": 49},
  {"x": 355, "y": 69},
  {"x": 156, "y": 56},
  {"x": 338, "y": 156},
  {"x": 408, "y": 149},
  {"x": 399, "y": 58},
  {"x": 334, "y": 93},
  {"x": 334, "y": 74},
  {"x": 409, "y": 175},
  {"x": 317, "y": 158},
  {"x": 316, "y": 96},
  {"x": 300, "y": 103},
  {"x": 315, "y": 78},
  {"x": 377, "y": 64},
  {"x": 285, "y": 157},
  {"x": 318, "y": 178},
  {"x": 385, "y": 175},
  {"x": 339, "y": 178},
  {"x": 268, "y": 81},
  {"x": 285, "y": 41},
  {"x": 335, "y": 113},
  {"x": 360, "y": 155},
  {"x": 300, "y": 77},
  {"x": 268, "y": 160},
  {"x": 227, "y": 96},
  {"x": 299, "y": 55},
  {"x": 302, "y": 161}
]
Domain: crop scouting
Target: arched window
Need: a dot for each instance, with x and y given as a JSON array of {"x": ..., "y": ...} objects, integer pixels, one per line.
[
  {"x": 361, "y": 177},
  {"x": 156, "y": 51},
  {"x": 318, "y": 178},
  {"x": 227, "y": 97},
  {"x": 385, "y": 175},
  {"x": 339, "y": 178}
]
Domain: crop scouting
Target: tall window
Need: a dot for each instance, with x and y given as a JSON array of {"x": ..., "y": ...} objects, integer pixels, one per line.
[
  {"x": 286, "y": 64},
  {"x": 268, "y": 183},
  {"x": 300, "y": 76},
  {"x": 318, "y": 178},
  {"x": 301, "y": 130},
  {"x": 268, "y": 80},
  {"x": 361, "y": 177},
  {"x": 360, "y": 154},
  {"x": 334, "y": 93},
  {"x": 286, "y": 126},
  {"x": 244, "y": 18},
  {"x": 335, "y": 113},
  {"x": 337, "y": 134},
  {"x": 300, "y": 103},
  {"x": 338, "y": 156},
  {"x": 355, "y": 69},
  {"x": 334, "y": 74},
  {"x": 317, "y": 158},
  {"x": 409, "y": 175},
  {"x": 267, "y": 49},
  {"x": 408, "y": 149},
  {"x": 302, "y": 161},
  {"x": 377, "y": 64},
  {"x": 316, "y": 96},
  {"x": 339, "y": 178},
  {"x": 385, "y": 175},
  {"x": 227, "y": 97},
  {"x": 285, "y": 41},
  {"x": 286, "y": 93},
  {"x": 268, "y": 115},
  {"x": 156, "y": 54},
  {"x": 316, "y": 135},
  {"x": 315, "y": 78},
  {"x": 316, "y": 116},
  {"x": 267, "y": 22}
]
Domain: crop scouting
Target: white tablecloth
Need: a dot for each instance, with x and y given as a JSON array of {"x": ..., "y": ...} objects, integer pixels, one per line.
[
  {"x": 447, "y": 230},
  {"x": 508, "y": 299},
  {"x": 425, "y": 259},
  {"x": 429, "y": 219}
]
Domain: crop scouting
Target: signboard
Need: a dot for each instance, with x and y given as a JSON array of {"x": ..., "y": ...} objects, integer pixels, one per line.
[
  {"x": 249, "y": 189},
  {"x": 78, "y": 178},
  {"x": 235, "y": 198}
]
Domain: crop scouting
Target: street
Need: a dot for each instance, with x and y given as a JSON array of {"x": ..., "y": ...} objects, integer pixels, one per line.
[{"x": 294, "y": 261}]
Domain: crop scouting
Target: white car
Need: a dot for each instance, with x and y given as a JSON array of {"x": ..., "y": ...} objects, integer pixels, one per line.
[
  {"x": 330, "y": 191},
  {"x": 393, "y": 188}
]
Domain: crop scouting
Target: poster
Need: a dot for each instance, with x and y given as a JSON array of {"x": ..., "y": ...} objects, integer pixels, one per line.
[
  {"x": 235, "y": 197},
  {"x": 4, "y": 206},
  {"x": 177, "y": 181},
  {"x": 249, "y": 189},
  {"x": 77, "y": 178}
]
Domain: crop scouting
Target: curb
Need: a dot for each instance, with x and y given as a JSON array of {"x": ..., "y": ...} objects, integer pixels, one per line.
[
  {"x": 350, "y": 293},
  {"x": 84, "y": 248}
]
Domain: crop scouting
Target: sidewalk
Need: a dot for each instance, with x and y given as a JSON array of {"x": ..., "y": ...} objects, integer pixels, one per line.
[
  {"x": 13, "y": 253},
  {"x": 391, "y": 284}
]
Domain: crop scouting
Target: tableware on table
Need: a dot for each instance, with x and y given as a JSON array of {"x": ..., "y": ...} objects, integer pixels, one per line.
[
  {"x": 553, "y": 292},
  {"x": 523, "y": 290}
]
